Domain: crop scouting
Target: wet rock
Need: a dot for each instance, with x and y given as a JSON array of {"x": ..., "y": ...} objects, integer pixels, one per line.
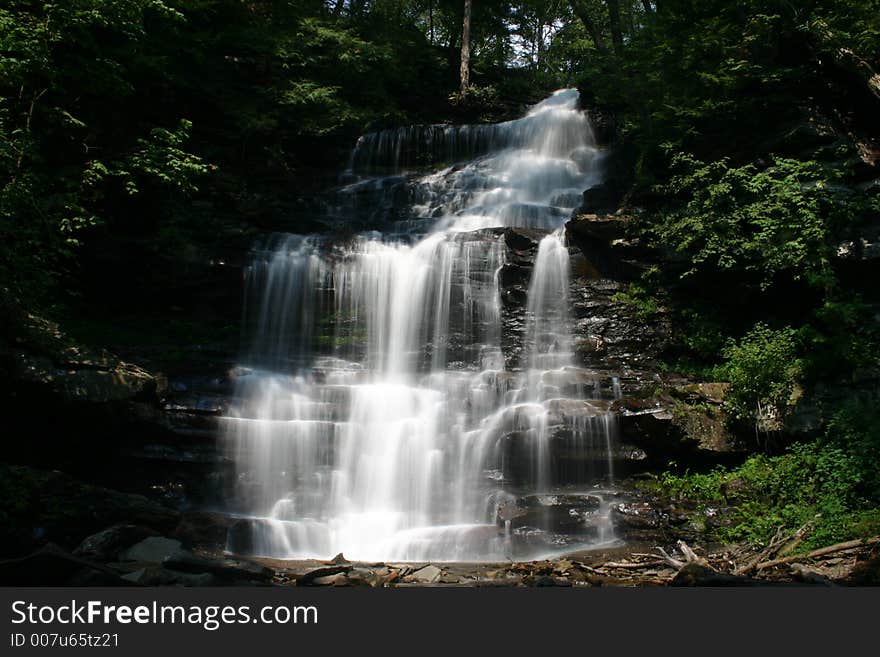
[
  {"x": 563, "y": 514},
  {"x": 695, "y": 434},
  {"x": 636, "y": 521},
  {"x": 154, "y": 549},
  {"x": 601, "y": 198},
  {"x": 598, "y": 227},
  {"x": 203, "y": 529},
  {"x": 520, "y": 239},
  {"x": 106, "y": 545},
  {"x": 512, "y": 274},
  {"x": 240, "y": 536}
]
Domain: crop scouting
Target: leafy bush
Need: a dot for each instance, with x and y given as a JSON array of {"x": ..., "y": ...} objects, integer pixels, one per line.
[
  {"x": 767, "y": 221},
  {"x": 763, "y": 369}
]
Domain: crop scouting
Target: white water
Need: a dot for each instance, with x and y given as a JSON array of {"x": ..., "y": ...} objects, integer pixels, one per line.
[{"x": 377, "y": 417}]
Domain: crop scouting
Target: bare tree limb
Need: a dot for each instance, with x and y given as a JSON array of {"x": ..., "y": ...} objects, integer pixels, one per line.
[
  {"x": 635, "y": 566},
  {"x": 776, "y": 545},
  {"x": 675, "y": 563},
  {"x": 831, "y": 549}
]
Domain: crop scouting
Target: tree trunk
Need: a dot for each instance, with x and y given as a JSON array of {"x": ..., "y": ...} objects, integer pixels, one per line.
[
  {"x": 466, "y": 48},
  {"x": 581, "y": 11},
  {"x": 614, "y": 22},
  {"x": 647, "y": 6},
  {"x": 431, "y": 22}
]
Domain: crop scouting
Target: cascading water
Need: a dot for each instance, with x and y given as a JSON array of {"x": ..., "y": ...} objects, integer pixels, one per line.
[{"x": 376, "y": 416}]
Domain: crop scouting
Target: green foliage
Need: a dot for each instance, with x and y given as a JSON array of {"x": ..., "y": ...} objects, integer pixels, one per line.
[
  {"x": 763, "y": 369},
  {"x": 843, "y": 336},
  {"x": 769, "y": 221},
  {"x": 161, "y": 160},
  {"x": 831, "y": 483},
  {"x": 642, "y": 295},
  {"x": 65, "y": 70}
]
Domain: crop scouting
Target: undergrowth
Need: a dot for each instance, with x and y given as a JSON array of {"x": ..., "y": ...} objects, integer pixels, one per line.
[{"x": 831, "y": 485}]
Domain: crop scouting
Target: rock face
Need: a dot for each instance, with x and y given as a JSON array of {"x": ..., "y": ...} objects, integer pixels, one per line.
[
  {"x": 610, "y": 335},
  {"x": 565, "y": 513},
  {"x": 41, "y": 360},
  {"x": 611, "y": 332},
  {"x": 87, "y": 381}
]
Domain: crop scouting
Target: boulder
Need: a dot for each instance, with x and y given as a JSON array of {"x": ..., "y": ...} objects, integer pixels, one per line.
[
  {"x": 564, "y": 514},
  {"x": 204, "y": 529},
  {"x": 240, "y": 536},
  {"x": 636, "y": 522},
  {"x": 603, "y": 228},
  {"x": 107, "y": 544},
  {"x": 155, "y": 549},
  {"x": 43, "y": 360}
]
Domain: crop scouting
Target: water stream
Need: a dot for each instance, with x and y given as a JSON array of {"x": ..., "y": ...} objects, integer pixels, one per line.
[{"x": 376, "y": 412}]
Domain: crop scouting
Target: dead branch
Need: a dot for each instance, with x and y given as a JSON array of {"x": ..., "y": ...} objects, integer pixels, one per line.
[
  {"x": 634, "y": 565},
  {"x": 776, "y": 545},
  {"x": 675, "y": 563},
  {"x": 831, "y": 549},
  {"x": 689, "y": 555}
]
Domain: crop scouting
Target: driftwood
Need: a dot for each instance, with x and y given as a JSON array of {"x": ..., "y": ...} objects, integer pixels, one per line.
[
  {"x": 689, "y": 555},
  {"x": 777, "y": 545},
  {"x": 634, "y": 565},
  {"x": 821, "y": 552},
  {"x": 697, "y": 571}
]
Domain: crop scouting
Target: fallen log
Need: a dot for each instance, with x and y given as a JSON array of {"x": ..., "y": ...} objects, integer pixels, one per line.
[
  {"x": 776, "y": 545},
  {"x": 821, "y": 552}
]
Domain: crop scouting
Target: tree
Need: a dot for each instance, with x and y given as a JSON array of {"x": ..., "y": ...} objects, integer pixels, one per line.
[
  {"x": 466, "y": 47},
  {"x": 614, "y": 21},
  {"x": 580, "y": 9}
]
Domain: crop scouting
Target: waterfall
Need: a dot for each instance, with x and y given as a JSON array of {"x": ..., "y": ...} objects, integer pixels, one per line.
[{"x": 375, "y": 414}]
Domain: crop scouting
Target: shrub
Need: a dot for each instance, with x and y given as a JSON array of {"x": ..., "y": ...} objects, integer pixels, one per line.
[{"x": 763, "y": 369}]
